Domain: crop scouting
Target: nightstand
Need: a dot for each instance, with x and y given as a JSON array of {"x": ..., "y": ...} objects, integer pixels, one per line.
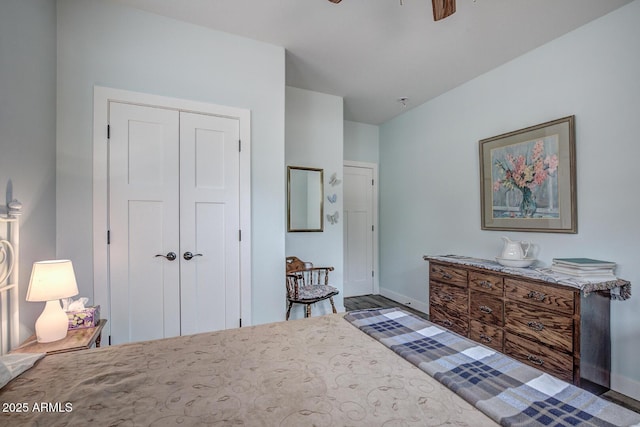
[{"x": 76, "y": 339}]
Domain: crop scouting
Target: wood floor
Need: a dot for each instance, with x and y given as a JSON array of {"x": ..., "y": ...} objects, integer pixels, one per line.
[{"x": 378, "y": 301}]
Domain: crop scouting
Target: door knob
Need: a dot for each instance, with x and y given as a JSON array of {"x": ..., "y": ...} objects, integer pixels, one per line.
[
  {"x": 170, "y": 256},
  {"x": 189, "y": 255}
]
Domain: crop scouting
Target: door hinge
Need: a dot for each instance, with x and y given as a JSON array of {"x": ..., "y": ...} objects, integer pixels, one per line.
[
  {"x": 109, "y": 339},
  {"x": 240, "y": 322},
  {"x": 108, "y": 237},
  {"x": 240, "y": 235},
  {"x": 372, "y": 273},
  {"x": 372, "y": 229},
  {"x": 239, "y": 145},
  {"x": 372, "y": 182},
  {"x": 108, "y": 131}
]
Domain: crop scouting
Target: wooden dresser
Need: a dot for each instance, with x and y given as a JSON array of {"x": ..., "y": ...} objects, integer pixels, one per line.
[{"x": 546, "y": 325}]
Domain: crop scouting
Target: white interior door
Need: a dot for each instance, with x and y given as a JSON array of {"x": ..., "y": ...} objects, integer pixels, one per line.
[
  {"x": 174, "y": 222},
  {"x": 143, "y": 223},
  {"x": 209, "y": 223},
  {"x": 358, "y": 231}
]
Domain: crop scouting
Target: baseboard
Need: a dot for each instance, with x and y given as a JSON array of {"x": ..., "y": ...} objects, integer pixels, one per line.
[
  {"x": 626, "y": 386},
  {"x": 413, "y": 303}
]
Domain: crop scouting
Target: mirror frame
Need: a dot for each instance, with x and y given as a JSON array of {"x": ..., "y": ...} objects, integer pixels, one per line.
[{"x": 321, "y": 171}]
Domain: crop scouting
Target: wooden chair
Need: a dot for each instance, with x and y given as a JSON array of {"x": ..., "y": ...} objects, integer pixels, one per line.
[{"x": 307, "y": 285}]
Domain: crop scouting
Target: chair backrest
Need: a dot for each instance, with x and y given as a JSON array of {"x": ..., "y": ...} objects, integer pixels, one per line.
[
  {"x": 296, "y": 264},
  {"x": 304, "y": 273}
]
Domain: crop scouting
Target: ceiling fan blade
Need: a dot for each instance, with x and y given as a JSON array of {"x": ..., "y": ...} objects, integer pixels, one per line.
[
  {"x": 335, "y": 1},
  {"x": 442, "y": 8}
]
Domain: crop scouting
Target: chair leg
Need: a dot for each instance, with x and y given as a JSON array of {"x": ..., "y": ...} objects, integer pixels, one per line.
[
  {"x": 289, "y": 310},
  {"x": 333, "y": 306},
  {"x": 308, "y": 313}
]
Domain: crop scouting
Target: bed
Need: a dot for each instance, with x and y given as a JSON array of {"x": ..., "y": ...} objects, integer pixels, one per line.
[
  {"x": 319, "y": 371},
  {"x": 324, "y": 371}
]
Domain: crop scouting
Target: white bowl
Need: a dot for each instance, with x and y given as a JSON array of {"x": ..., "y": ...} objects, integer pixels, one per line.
[{"x": 519, "y": 263}]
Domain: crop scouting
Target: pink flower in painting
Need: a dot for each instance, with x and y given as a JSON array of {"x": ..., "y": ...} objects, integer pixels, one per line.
[
  {"x": 540, "y": 176},
  {"x": 520, "y": 172},
  {"x": 538, "y": 150},
  {"x": 552, "y": 163}
]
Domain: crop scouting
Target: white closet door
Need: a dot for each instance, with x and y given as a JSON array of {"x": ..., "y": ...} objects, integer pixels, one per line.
[
  {"x": 144, "y": 219},
  {"x": 209, "y": 224},
  {"x": 358, "y": 231}
]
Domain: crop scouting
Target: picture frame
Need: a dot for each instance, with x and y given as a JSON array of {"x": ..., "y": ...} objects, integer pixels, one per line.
[{"x": 528, "y": 179}]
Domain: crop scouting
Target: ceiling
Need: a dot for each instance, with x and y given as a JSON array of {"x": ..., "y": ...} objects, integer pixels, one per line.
[{"x": 373, "y": 52}]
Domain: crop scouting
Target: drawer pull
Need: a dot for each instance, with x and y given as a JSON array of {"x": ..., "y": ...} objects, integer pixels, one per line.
[
  {"x": 485, "y": 284},
  {"x": 536, "y": 326},
  {"x": 485, "y": 309},
  {"x": 447, "y": 322},
  {"x": 442, "y": 272},
  {"x": 446, "y": 297},
  {"x": 535, "y": 360},
  {"x": 538, "y": 296},
  {"x": 485, "y": 338}
]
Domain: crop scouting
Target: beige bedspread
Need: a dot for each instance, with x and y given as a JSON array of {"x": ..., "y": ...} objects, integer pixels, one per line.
[{"x": 319, "y": 371}]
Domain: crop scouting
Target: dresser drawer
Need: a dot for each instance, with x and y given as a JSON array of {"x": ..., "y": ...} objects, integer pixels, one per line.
[
  {"x": 486, "y": 308},
  {"x": 453, "y": 321},
  {"x": 491, "y": 336},
  {"x": 447, "y": 274},
  {"x": 540, "y": 295},
  {"x": 485, "y": 283},
  {"x": 544, "y": 326},
  {"x": 452, "y": 298},
  {"x": 539, "y": 356}
]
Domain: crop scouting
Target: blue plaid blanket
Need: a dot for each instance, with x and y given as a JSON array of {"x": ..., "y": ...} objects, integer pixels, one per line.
[{"x": 509, "y": 392}]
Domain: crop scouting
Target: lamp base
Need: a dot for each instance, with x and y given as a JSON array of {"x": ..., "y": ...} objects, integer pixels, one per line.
[{"x": 53, "y": 323}]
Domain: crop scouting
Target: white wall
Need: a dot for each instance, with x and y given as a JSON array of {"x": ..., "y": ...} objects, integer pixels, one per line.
[
  {"x": 361, "y": 142},
  {"x": 27, "y": 133},
  {"x": 431, "y": 154},
  {"x": 103, "y": 43},
  {"x": 314, "y": 138}
]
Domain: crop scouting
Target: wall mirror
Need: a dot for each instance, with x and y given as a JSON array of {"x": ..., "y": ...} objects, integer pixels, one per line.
[{"x": 305, "y": 208}]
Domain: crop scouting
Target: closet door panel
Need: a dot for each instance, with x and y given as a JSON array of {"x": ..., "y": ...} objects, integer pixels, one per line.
[
  {"x": 209, "y": 223},
  {"x": 143, "y": 222},
  {"x": 204, "y": 283},
  {"x": 153, "y": 311}
]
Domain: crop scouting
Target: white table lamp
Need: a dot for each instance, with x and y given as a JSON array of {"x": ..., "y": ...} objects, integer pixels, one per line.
[{"x": 50, "y": 281}]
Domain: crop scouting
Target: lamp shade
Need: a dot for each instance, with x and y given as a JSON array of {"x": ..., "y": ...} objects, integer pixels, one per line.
[{"x": 52, "y": 280}]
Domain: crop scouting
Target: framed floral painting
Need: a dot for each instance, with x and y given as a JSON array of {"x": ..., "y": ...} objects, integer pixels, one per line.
[{"x": 528, "y": 179}]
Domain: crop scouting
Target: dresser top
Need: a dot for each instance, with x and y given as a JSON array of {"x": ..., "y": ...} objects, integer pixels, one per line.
[{"x": 620, "y": 289}]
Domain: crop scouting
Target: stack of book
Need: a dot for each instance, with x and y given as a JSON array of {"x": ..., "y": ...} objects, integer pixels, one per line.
[{"x": 586, "y": 268}]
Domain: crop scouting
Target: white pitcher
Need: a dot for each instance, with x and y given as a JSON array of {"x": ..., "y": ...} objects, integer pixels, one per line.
[{"x": 514, "y": 250}]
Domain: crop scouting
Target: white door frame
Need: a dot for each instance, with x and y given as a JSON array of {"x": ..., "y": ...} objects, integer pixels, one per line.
[
  {"x": 374, "y": 169},
  {"x": 101, "y": 98}
]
